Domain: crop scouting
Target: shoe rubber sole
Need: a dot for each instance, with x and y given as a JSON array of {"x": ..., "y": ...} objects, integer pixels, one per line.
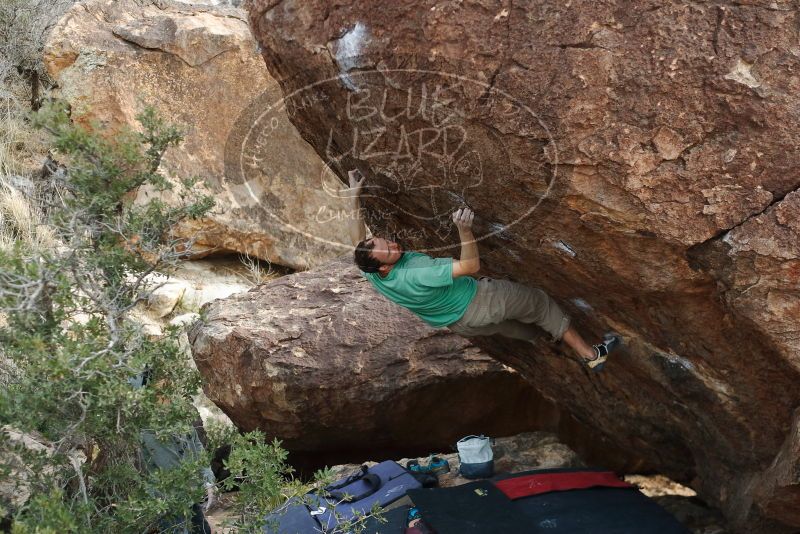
[{"x": 612, "y": 341}]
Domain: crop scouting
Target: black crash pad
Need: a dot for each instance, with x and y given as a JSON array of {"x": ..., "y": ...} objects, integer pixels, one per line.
[
  {"x": 474, "y": 508},
  {"x": 392, "y": 522}
]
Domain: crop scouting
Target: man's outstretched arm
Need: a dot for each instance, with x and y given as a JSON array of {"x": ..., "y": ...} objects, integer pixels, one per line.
[
  {"x": 470, "y": 262},
  {"x": 358, "y": 230}
]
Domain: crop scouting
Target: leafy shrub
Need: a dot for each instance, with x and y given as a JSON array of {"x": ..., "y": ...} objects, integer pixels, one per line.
[
  {"x": 69, "y": 348},
  {"x": 70, "y": 274}
]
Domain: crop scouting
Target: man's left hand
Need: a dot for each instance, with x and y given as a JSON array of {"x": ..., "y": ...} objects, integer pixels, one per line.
[{"x": 463, "y": 219}]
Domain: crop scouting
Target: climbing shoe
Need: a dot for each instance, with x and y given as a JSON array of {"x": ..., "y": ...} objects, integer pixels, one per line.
[
  {"x": 601, "y": 352},
  {"x": 436, "y": 466}
]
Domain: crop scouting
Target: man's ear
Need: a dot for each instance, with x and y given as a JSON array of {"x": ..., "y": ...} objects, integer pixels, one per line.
[{"x": 384, "y": 269}]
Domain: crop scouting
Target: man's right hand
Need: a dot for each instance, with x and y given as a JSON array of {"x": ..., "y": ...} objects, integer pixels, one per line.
[
  {"x": 470, "y": 262},
  {"x": 463, "y": 219},
  {"x": 356, "y": 180}
]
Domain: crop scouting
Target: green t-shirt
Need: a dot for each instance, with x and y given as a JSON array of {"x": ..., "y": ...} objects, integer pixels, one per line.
[{"x": 426, "y": 286}]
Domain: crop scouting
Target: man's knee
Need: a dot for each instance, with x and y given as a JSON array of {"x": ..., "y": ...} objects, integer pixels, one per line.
[
  {"x": 563, "y": 326},
  {"x": 544, "y": 311}
]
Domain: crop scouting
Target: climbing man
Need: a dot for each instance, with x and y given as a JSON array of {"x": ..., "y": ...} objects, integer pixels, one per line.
[{"x": 443, "y": 292}]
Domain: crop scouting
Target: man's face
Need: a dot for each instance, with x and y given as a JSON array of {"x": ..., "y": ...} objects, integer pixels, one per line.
[{"x": 385, "y": 251}]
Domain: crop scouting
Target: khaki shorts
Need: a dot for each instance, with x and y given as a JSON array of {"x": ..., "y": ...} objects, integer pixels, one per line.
[{"x": 512, "y": 310}]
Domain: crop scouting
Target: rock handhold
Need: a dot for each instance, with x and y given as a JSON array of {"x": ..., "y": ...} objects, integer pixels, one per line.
[{"x": 669, "y": 143}]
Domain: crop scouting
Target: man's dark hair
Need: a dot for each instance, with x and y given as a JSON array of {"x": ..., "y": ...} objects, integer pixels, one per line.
[{"x": 363, "y": 256}]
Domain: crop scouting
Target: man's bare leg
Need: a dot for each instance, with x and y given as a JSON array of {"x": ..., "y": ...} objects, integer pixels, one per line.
[
  {"x": 594, "y": 356},
  {"x": 572, "y": 338}
]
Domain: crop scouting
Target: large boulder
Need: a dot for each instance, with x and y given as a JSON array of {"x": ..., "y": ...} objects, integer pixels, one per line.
[
  {"x": 636, "y": 160},
  {"x": 321, "y": 361},
  {"x": 199, "y": 67}
]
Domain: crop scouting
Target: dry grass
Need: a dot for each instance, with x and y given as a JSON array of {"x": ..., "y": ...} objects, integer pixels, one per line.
[
  {"x": 258, "y": 271},
  {"x": 21, "y": 220},
  {"x": 12, "y": 137},
  {"x": 24, "y": 26},
  {"x": 22, "y": 150}
]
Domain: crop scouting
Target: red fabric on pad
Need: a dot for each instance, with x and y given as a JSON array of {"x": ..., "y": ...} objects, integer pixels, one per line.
[{"x": 525, "y": 486}]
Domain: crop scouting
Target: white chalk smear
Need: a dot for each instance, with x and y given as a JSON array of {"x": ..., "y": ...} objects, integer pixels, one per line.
[{"x": 348, "y": 49}]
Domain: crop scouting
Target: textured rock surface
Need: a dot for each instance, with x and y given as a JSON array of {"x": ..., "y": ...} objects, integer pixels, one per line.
[
  {"x": 321, "y": 362},
  {"x": 658, "y": 143},
  {"x": 178, "y": 296},
  {"x": 512, "y": 454},
  {"x": 176, "y": 299},
  {"x": 15, "y": 490},
  {"x": 112, "y": 57}
]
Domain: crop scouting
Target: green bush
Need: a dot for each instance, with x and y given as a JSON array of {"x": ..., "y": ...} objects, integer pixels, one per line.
[{"x": 68, "y": 350}]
